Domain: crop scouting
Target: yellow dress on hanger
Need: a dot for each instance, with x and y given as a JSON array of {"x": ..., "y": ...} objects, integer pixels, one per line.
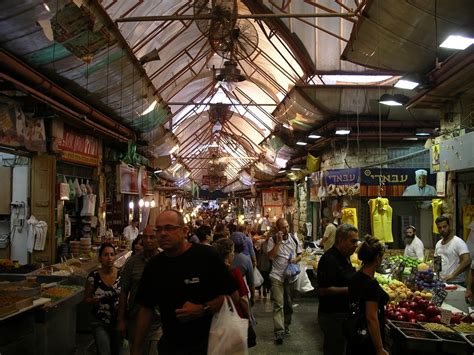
[
  {"x": 467, "y": 219},
  {"x": 381, "y": 219},
  {"x": 437, "y": 205},
  {"x": 349, "y": 215}
]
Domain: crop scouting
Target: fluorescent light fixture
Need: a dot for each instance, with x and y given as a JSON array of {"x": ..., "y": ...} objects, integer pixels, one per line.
[
  {"x": 457, "y": 42},
  {"x": 406, "y": 84},
  {"x": 423, "y": 132},
  {"x": 287, "y": 126},
  {"x": 157, "y": 171},
  {"x": 389, "y": 100},
  {"x": 296, "y": 168},
  {"x": 46, "y": 7},
  {"x": 282, "y": 171},
  {"x": 393, "y": 100},
  {"x": 150, "y": 108},
  {"x": 410, "y": 139},
  {"x": 301, "y": 143},
  {"x": 314, "y": 135},
  {"x": 343, "y": 131}
]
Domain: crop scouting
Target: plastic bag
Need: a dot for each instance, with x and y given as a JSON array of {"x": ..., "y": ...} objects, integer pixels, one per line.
[
  {"x": 303, "y": 284},
  {"x": 228, "y": 333},
  {"x": 292, "y": 270},
  {"x": 257, "y": 278}
]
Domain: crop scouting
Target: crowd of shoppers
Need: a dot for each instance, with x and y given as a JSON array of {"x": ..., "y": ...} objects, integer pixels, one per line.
[{"x": 179, "y": 275}]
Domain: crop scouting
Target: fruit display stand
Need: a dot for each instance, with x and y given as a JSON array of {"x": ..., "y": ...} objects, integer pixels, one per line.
[{"x": 48, "y": 326}]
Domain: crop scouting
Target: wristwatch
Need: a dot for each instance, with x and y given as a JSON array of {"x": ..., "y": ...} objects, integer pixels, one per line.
[{"x": 206, "y": 309}]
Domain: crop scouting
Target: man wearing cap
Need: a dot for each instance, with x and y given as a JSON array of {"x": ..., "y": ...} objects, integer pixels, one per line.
[
  {"x": 413, "y": 245},
  {"x": 420, "y": 188}
]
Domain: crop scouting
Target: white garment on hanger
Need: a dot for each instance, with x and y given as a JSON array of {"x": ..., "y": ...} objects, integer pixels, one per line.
[{"x": 37, "y": 233}]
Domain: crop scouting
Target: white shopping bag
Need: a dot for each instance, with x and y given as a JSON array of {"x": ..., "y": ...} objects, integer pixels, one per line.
[
  {"x": 303, "y": 284},
  {"x": 257, "y": 278},
  {"x": 228, "y": 334}
]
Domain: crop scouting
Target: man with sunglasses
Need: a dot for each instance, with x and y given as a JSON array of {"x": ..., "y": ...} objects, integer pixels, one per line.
[{"x": 187, "y": 282}]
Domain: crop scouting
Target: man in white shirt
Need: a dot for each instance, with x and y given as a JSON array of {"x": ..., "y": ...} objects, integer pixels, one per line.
[
  {"x": 283, "y": 249},
  {"x": 455, "y": 258},
  {"x": 329, "y": 236},
  {"x": 413, "y": 245},
  {"x": 131, "y": 232}
]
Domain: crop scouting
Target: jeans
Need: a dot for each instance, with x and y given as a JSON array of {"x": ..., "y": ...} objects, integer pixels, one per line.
[
  {"x": 332, "y": 327},
  {"x": 150, "y": 343},
  {"x": 107, "y": 339},
  {"x": 282, "y": 305}
]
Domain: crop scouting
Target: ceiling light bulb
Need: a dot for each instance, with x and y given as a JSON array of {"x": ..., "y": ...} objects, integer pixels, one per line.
[
  {"x": 406, "y": 84},
  {"x": 314, "y": 136},
  {"x": 343, "y": 131},
  {"x": 152, "y": 203},
  {"x": 141, "y": 203},
  {"x": 457, "y": 42},
  {"x": 147, "y": 204},
  {"x": 131, "y": 205}
]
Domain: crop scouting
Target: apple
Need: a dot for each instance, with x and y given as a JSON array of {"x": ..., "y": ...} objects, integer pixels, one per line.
[
  {"x": 400, "y": 318},
  {"x": 411, "y": 314},
  {"x": 431, "y": 311},
  {"x": 413, "y": 305},
  {"x": 403, "y": 304},
  {"x": 412, "y": 320},
  {"x": 421, "y": 317}
]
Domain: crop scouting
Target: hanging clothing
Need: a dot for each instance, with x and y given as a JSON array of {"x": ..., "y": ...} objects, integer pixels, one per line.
[
  {"x": 437, "y": 205},
  {"x": 381, "y": 219},
  {"x": 37, "y": 233},
  {"x": 349, "y": 215},
  {"x": 467, "y": 219},
  {"x": 88, "y": 205}
]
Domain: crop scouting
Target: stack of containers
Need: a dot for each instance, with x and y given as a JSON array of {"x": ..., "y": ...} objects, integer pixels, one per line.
[
  {"x": 85, "y": 246},
  {"x": 74, "y": 247}
]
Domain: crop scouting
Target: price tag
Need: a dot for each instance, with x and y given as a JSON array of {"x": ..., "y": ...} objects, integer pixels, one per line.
[
  {"x": 439, "y": 297},
  {"x": 445, "y": 316}
]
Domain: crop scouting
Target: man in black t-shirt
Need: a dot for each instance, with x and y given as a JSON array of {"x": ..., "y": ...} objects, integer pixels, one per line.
[
  {"x": 188, "y": 283},
  {"x": 334, "y": 272}
]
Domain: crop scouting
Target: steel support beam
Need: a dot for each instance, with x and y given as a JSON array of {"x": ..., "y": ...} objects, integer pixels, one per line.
[{"x": 239, "y": 16}]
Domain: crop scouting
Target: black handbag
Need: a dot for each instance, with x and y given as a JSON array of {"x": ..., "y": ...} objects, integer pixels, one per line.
[
  {"x": 251, "y": 336},
  {"x": 355, "y": 326}
]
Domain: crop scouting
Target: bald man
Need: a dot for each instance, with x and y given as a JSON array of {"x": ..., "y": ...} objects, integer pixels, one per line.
[
  {"x": 130, "y": 278},
  {"x": 187, "y": 282}
]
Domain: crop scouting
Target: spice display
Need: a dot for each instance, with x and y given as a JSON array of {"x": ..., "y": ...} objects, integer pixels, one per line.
[{"x": 437, "y": 327}]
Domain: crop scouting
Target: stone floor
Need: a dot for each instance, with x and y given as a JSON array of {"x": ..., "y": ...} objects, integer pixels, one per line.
[{"x": 305, "y": 338}]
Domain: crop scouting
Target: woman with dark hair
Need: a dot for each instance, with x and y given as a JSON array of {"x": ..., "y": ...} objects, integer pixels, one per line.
[
  {"x": 368, "y": 299},
  {"x": 137, "y": 244},
  {"x": 102, "y": 291},
  {"x": 225, "y": 250}
]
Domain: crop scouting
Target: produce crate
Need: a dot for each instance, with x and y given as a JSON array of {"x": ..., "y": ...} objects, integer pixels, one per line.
[
  {"x": 418, "y": 340},
  {"x": 20, "y": 289},
  {"x": 453, "y": 343},
  {"x": 24, "y": 303},
  {"x": 470, "y": 340},
  {"x": 7, "y": 309},
  {"x": 404, "y": 325},
  {"x": 437, "y": 327}
]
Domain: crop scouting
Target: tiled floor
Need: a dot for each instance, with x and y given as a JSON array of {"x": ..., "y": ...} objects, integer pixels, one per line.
[{"x": 305, "y": 338}]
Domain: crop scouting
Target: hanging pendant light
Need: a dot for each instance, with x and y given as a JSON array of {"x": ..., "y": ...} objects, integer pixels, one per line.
[
  {"x": 141, "y": 203},
  {"x": 130, "y": 205},
  {"x": 147, "y": 204},
  {"x": 152, "y": 203}
]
